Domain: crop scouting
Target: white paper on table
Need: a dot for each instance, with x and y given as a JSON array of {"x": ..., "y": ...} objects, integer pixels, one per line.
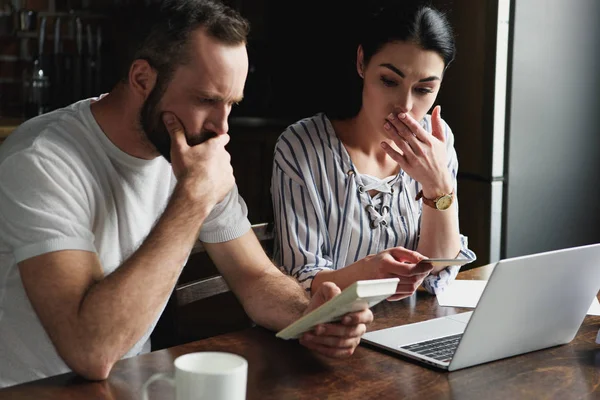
[
  {"x": 463, "y": 293},
  {"x": 594, "y": 308}
]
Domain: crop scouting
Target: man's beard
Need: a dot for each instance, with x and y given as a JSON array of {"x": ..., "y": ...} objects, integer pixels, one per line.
[{"x": 152, "y": 125}]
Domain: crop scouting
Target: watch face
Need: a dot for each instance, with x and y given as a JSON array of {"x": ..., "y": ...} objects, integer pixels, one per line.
[{"x": 444, "y": 202}]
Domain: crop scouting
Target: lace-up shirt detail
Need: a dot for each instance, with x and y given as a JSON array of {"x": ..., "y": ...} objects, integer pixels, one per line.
[
  {"x": 325, "y": 217},
  {"x": 378, "y": 209}
]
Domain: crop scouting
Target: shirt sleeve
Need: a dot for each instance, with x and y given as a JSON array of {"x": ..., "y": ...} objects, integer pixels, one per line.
[
  {"x": 43, "y": 206},
  {"x": 299, "y": 237},
  {"x": 228, "y": 220},
  {"x": 437, "y": 283}
]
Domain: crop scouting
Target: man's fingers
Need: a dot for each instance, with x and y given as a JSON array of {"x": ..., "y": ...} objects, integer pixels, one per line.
[
  {"x": 326, "y": 292},
  {"x": 224, "y": 139},
  {"x": 332, "y": 352},
  {"x": 175, "y": 129},
  {"x": 333, "y": 342},
  {"x": 359, "y": 317},
  {"x": 329, "y": 290},
  {"x": 339, "y": 330}
]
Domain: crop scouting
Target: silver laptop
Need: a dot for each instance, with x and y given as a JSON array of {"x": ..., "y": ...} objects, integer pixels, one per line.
[{"x": 529, "y": 303}]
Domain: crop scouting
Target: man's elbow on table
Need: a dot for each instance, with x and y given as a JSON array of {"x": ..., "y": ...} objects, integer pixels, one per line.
[{"x": 91, "y": 365}]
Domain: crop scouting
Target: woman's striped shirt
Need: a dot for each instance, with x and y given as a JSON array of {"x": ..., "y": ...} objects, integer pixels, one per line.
[{"x": 324, "y": 215}]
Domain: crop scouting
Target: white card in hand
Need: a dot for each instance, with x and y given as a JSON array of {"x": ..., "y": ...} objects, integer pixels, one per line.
[
  {"x": 353, "y": 298},
  {"x": 446, "y": 262}
]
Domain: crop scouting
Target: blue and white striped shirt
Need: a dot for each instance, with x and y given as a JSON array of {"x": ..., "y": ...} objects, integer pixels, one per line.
[{"x": 324, "y": 215}]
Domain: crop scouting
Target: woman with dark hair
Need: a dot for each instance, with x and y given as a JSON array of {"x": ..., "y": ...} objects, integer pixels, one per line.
[{"x": 371, "y": 195}]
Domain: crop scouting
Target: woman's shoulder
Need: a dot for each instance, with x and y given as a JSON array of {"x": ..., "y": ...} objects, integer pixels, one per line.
[
  {"x": 316, "y": 125},
  {"x": 305, "y": 132},
  {"x": 305, "y": 143}
]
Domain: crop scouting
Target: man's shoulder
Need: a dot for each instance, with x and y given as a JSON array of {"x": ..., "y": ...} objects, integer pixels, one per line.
[{"x": 61, "y": 133}]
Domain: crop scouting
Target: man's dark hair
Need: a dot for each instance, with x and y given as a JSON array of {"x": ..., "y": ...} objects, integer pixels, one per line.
[{"x": 159, "y": 33}]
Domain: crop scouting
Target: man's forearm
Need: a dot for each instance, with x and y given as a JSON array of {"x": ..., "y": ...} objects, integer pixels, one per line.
[
  {"x": 118, "y": 310},
  {"x": 275, "y": 300}
]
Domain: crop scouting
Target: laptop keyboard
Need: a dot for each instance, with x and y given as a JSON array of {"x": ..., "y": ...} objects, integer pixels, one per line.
[{"x": 441, "y": 349}]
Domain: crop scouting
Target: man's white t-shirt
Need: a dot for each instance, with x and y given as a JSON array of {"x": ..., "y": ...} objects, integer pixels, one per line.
[{"x": 65, "y": 185}]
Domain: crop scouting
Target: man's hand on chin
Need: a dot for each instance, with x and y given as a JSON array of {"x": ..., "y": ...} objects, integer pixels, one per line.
[{"x": 338, "y": 339}]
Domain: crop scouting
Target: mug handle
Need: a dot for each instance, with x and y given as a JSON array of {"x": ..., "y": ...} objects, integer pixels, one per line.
[{"x": 156, "y": 377}]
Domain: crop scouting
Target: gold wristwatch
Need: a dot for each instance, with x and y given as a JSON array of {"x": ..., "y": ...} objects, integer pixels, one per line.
[{"x": 441, "y": 203}]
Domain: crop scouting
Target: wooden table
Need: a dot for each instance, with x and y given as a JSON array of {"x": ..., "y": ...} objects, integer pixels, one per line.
[{"x": 284, "y": 370}]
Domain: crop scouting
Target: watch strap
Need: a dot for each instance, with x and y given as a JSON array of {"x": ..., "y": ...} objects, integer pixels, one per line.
[{"x": 431, "y": 202}]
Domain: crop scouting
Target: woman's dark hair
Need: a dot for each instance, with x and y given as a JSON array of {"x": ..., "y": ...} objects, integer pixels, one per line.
[
  {"x": 408, "y": 21},
  {"x": 159, "y": 33},
  {"x": 388, "y": 21}
]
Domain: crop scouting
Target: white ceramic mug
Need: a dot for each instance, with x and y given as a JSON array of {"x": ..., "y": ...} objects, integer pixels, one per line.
[{"x": 206, "y": 375}]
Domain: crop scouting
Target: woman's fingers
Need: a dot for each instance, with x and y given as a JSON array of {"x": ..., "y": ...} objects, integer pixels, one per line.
[
  {"x": 406, "y": 255},
  {"x": 408, "y": 128},
  {"x": 397, "y": 156},
  {"x": 437, "y": 126},
  {"x": 402, "y": 135}
]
